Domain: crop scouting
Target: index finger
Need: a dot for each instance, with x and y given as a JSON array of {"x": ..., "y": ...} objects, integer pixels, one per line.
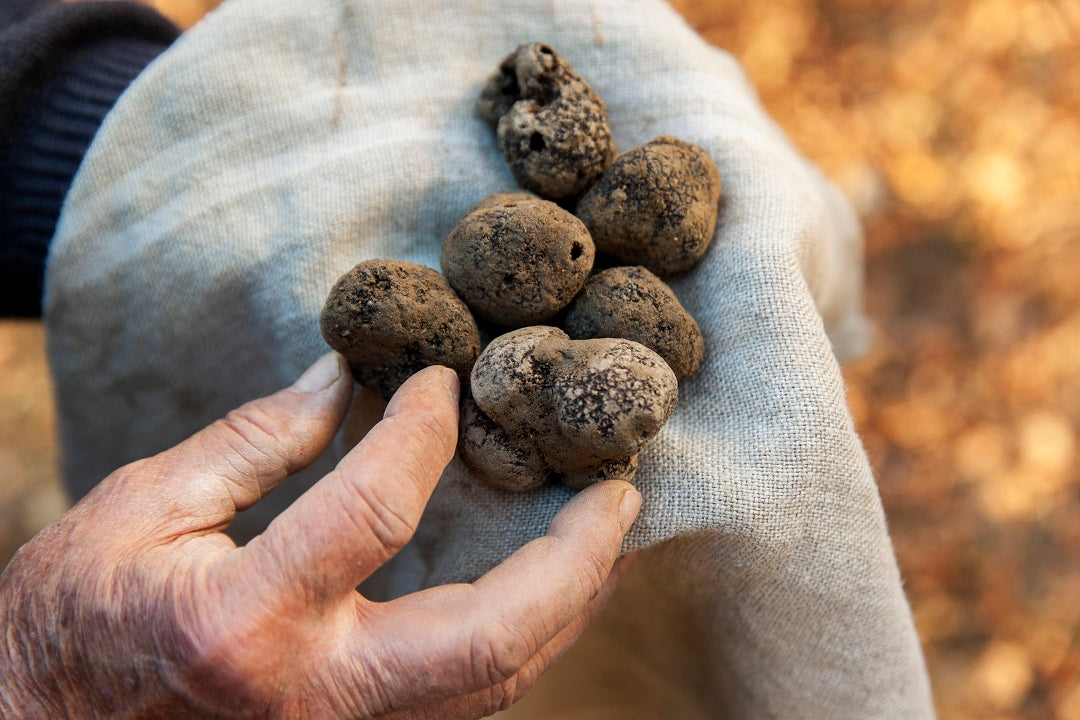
[
  {"x": 464, "y": 638},
  {"x": 357, "y": 517}
]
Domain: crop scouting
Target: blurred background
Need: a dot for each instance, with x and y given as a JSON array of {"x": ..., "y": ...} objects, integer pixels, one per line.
[{"x": 955, "y": 129}]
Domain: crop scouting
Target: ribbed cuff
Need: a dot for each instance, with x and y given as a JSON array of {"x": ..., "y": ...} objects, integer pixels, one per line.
[{"x": 60, "y": 109}]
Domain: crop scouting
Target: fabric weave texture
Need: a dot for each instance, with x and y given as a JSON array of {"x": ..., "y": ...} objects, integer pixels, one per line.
[{"x": 280, "y": 142}]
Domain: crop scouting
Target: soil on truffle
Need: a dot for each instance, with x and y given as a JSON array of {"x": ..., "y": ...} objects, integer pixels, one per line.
[
  {"x": 551, "y": 408},
  {"x": 517, "y": 259},
  {"x": 551, "y": 127},
  {"x": 655, "y": 206},
  {"x": 391, "y": 319},
  {"x": 633, "y": 303}
]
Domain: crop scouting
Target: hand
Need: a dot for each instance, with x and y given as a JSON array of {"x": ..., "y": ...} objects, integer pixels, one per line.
[{"x": 135, "y": 604}]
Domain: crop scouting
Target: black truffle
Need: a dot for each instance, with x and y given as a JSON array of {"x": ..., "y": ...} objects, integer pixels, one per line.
[
  {"x": 516, "y": 259},
  {"x": 551, "y": 127},
  {"x": 573, "y": 411},
  {"x": 655, "y": 206},
  {"x": 632, "y": 303},
  {"x": 391, "y": 319}
]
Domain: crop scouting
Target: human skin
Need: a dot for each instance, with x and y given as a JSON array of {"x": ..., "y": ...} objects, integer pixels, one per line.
[{"x": 135, "y": 604}]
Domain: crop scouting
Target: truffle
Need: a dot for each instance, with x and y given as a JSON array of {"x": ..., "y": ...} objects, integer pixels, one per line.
[
  {"x": 632, "y": 303},
  {"x": 551, "y": 127},
  {"x": 545, "y": 407},
  {"x": 655, "y": 206},
  {"x": 517, "y": 259},
  {"x": 391, "y": 319}
]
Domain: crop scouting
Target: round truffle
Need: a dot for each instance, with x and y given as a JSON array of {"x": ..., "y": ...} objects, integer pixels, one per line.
[
  {"x": 551, "y": 127},
  {"x": 391, "y": 319},
  {"x": 655, "y": 206},
  {"x": 573, "y": 411},
  {"x": 632, "y": 303},
  {"x": 516, "y": 259}
]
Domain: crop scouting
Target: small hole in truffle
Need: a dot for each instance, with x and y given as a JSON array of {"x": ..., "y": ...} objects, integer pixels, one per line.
[
  {"x": 508, "y": 84},
  {"x": 508, "y": 279},
  {"x": 536, "y": 142},
  {"x": 546, "y": 50},
  {"x": 576, "y": 250}
]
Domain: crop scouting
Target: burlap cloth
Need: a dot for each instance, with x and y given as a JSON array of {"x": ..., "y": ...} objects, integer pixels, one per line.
[{"x": 279, "y": 142}]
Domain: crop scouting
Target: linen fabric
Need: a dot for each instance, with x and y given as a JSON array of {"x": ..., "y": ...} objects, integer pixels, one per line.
[{"x": 279, "y": 142}]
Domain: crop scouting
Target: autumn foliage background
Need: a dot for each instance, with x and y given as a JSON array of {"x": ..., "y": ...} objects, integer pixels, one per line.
[{"x": 954, "y": 127}]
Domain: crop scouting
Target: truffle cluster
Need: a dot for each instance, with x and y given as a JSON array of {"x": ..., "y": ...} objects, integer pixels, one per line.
[{"x": 545, "y": 405}]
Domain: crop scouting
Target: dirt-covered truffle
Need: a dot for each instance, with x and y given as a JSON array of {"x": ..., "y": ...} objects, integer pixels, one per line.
[
  {"x": 551, "y": 127},
  {"x": 545, "y": 407},
  {"x": 391, "y": 319},
  {"x": 632, "y": 303},
  {"x": 655, "y": 206},
  {"x": 517, "y": 259}
]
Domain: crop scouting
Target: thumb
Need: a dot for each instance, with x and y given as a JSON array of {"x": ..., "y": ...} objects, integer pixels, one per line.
[{"x": 233, "y": 463}]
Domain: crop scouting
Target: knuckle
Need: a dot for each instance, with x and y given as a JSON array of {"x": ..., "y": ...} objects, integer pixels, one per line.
[
  {"x": 432, "y": 430},
  {"x": 496, "y": 653},
  {"x": 251, "y": 428},
  {"x": 389, "y": 527},
  {"x": 137, "y": 474},
  {"x": 252, "y": 437},
  {"x": 593, "y": 568}
]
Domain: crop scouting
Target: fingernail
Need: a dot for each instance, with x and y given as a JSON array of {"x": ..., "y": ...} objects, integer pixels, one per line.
[
  {"x": 628, "y": 509},
  {"x": 450, "y": 380},
  {"x": 321, "y": 375}
]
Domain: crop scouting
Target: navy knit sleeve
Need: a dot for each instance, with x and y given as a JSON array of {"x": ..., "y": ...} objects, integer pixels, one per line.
[{"x": 62, "y": 68}]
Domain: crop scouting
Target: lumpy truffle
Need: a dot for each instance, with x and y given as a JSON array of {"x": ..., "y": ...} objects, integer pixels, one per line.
[
  {"x": 517, "y": 259},
  {"x": 391, "y": 319},
  {"x": 551, "y": 127},
  {"x": 545, "y": 407},
  {"x": 632, "y": 303},
  {"x": 655, "y": 206}
]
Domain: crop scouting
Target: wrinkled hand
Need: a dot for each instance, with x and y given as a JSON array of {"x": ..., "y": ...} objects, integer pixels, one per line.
[{"x": 135, "y": 604}]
